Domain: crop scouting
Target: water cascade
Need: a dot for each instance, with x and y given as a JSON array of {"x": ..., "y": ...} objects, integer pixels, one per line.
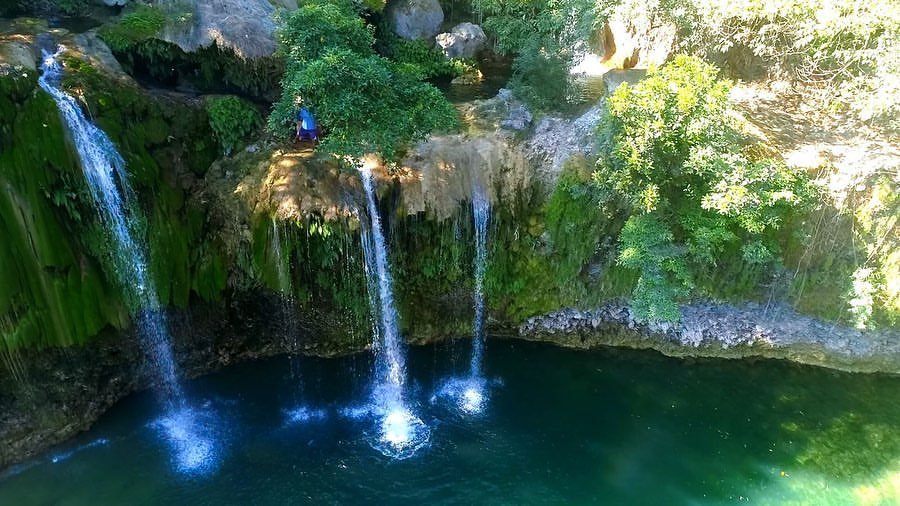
[
  {"x": 473, "y": 397},
  {"x": 401, "y": 432},
  {"x": 104, "y": 170},
  {"x": 285, "y": 286}
]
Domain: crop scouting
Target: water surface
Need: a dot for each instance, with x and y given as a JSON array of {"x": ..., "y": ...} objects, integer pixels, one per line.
[{"x": 559, "y": 426}]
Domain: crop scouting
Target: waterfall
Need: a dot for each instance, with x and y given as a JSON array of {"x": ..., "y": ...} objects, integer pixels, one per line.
[
  {"x": 104, "y": 170},
  {"x": 468, "y": 393},
  {"x": 285, "y": 287},
  {"x": 481, "y": 209},
  {"x": 401, "y": 431}
]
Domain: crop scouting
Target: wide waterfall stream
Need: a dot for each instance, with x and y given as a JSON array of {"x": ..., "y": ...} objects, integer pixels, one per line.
[
  {"x": 563, "y": 426},
  {"x": 185, "y": 428}
]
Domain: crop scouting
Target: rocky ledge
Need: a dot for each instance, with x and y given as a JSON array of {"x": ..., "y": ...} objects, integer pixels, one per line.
[{"x": 710, "y": 329}]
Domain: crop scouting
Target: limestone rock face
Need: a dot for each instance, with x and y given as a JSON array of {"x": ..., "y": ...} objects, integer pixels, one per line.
[
  {"x": 465, "y": 40},
  {"x": 415, "y": 19},
  {"x": 244, "y": 26},
  {"x": 633, "y": 37}
]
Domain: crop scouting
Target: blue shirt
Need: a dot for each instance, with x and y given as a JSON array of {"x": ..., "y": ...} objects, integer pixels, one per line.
[{"x": 307, "y": 122}]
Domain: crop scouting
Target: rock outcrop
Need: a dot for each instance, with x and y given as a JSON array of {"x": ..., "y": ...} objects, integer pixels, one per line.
[
  {"x": 415, "y": 19},
  {"x": 243, "y": 26},
  {"x": 721, "y": 330}
]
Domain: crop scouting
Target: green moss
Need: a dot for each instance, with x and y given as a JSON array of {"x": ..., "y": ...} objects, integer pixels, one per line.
[
  {"x": 56, "y": 282},
  {"x": 232, "y": 119},
  {"x": 138, "y": 24},
  {"x": 51, "y": 292}
]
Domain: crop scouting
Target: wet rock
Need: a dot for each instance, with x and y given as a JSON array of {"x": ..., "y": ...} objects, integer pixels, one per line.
[
  {"x": 710, "y": 329},
  {"x": 465, "y": 40},
  {"x": 415, "y": 19},
  {"x": 519, "y": 118}
]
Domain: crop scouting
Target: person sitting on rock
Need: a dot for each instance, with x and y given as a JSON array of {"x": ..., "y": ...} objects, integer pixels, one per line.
[{"x": 306, "y": 124}]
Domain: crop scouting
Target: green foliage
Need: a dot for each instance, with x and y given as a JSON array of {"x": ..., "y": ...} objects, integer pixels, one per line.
[
  {"x": 541, "y": 78},
  {"x": 231, "y": 118},
  {"x": 366, "y": 103},
  {"x": 141, "y": 23},
  {"x": 543, "y": 34},
  {"x": 428, "y": 60},
  {"x": 670, "y": 160},
  {"x": 317, "y": 26},
  {"x": 846, "y": 50}
]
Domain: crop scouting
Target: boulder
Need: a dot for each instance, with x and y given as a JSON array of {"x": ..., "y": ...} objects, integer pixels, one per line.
[
  {"x": 114, "y": 3},
  {"x": 465, "y": 40},
  {"x": 415, "y": 19},
  {"x": 243, "y": 26},
  {"x": 519, "y": 118}
]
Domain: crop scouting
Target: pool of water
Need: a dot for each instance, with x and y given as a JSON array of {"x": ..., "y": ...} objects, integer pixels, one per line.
[{"x": 557, "y": 426}]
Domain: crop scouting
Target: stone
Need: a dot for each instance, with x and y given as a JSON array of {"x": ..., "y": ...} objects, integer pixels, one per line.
[
  {"x": 519, "y": 118},
  {"x": 415, "y": 19},
  {"x": 114, "y": 3},
  {"x": 465, "y": 40},
  {"x": 614, "y": 78}
]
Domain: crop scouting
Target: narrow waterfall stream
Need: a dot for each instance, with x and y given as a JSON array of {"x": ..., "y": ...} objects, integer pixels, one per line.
[
  {"x": 104, "y": 170},
  {"x": 473, "y": 396},
  {"x": 401, "y": 432}
]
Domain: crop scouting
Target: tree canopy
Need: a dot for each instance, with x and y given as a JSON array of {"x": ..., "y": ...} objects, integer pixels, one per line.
[{"x": 366, "y": 103}]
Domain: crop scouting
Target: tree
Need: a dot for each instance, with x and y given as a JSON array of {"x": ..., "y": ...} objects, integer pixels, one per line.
[{"x": 366, "y": 103}]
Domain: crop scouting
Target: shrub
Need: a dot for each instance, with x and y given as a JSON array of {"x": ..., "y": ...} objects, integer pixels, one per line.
[
  {"x": 428, "y": 61},
  {"x": 671, "y": 160},
  {"x": 231, "y": 118}
]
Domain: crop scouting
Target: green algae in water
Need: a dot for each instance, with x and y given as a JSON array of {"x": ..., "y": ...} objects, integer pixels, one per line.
[{"x": 560, "y": 427}]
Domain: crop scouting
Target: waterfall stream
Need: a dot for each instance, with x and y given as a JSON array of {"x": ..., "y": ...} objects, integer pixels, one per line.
[
  {"x": 104, "y": 170},
  {"x": 107, "y": 180},
  {"x": 401, "y": 433},
  {"x": 481, "y": 209}
]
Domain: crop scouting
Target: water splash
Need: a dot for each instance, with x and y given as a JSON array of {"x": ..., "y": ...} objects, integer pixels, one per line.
[
  {"x": 401, "y": 433},
  {"x": 107, "y": 180},
  {"x": 304, "y": 414},
  {"x": 187, "y": 433}
]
